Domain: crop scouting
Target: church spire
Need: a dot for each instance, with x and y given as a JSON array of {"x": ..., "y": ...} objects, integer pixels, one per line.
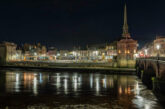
[
  {"x": 125, "y": 26},
  {"x": 125, "y": 16}
]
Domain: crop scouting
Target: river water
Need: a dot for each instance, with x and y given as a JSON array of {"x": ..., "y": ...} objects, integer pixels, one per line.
[{"x": 73, "y": 90}]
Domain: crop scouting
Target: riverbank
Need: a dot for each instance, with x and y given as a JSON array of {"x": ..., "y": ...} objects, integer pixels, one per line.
[
  {"x": 86, "y": 69},
  {"x": 72, "y": 66}
]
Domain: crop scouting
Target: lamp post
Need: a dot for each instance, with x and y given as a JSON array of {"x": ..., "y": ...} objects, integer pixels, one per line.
[
  {"x": 146, "y": 52},
  {"x": 158, "y": 48}
]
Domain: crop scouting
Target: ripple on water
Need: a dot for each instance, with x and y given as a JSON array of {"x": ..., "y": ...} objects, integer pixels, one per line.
[
  {"x": 78, "y": 106},
  {"x": 73, "y": 90},
  {"x": 145, "y": 99}
]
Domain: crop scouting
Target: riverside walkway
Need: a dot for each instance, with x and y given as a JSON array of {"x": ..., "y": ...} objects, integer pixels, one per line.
[{"x": 97, "y": 66}]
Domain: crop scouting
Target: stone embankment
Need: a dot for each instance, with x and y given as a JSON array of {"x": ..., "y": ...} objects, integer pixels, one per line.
[{"x": 103, "y": 66}]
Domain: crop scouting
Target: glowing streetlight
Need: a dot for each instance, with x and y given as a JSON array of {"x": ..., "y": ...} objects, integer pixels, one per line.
[
  {"x": 146, "y": 52},
  {"x": 158, "y": 47},
  {"x": 96, "y": 52},
  {"x": 74, "y": 53},
  {"x": 58, "y": 54},
  {"x": 35, "y": 54}
]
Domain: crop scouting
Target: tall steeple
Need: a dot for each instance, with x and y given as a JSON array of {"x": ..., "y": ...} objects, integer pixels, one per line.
[{"x": 125, "y": 25}]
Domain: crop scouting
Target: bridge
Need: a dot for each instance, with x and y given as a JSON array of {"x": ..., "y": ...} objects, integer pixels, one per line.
[{"x": 152, "y": 72}]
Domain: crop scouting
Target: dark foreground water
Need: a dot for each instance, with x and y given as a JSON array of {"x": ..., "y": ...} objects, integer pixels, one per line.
[{"x": 73, "y": 90}]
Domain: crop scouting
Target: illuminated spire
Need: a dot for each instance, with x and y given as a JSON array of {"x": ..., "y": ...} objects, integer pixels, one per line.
[{"x": 125, "y": 26}]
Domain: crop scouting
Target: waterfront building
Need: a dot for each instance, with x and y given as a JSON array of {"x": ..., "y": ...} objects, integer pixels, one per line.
[
  {"x": 30, "y": 52},
  {"x": 43, "y": 50},
  {"x": 42, "y": 53},
  {"x": 84, "y": 54},
  {"x": 147, "y": 50},
  {"x": 19, "y": 56},
  {"x": 97, "y": 52},
  {"x": 7, "y": 52},
  {"x": 52, "y": 52},
  {"x": 111, "y": 51},
  {"x": 159, "y": 42},
  {"x": 26, "y": 47},
  {"x": 126, "y": 46},
  {"x": 154, "y": 48},
  {"x": 34, "y": 52},
  {"x": 63, "y": 55}
]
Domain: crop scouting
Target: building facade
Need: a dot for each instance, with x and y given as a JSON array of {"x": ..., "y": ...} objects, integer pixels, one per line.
[
  {"x": 126, "y": 46},
  {"x": 159, "y": 46},
  {"x": 7, "y": 52}
]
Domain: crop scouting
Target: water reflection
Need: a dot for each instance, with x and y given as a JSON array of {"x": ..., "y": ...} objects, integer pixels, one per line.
[
  {"x": 58, "y": 82},
  {"x": 125, "y": 91},
  {"x": 75, "y": 82},
  {"x": 32, "y": 81},
  {"x": 35, "y": 83},
  {"x": 40, "y": 78},
  {"x": 17, "y": 83},
  {"x": 66, "y": 86},
  {"x": 91, "y": 81},
  {"x": 105, "y": 83}
]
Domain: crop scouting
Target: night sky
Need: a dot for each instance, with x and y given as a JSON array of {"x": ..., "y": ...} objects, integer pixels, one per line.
[{"x": 68, "y": 23}]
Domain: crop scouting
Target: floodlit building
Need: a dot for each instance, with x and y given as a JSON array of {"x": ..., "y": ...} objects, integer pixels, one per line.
[
  {"x": 52, "y": 53},
  {"x": 111, "y": 51},
  {"x": 84, "y": 54},
  {"x": 147, "y": 50},
  {"x": 7, "y": 52},
  {"x": 19, "y": 56},
  {"x": 159, "y": 46},
  {"x": 63, "y": 55},
  {"x": 34, "y": 52},
  {"x": 154, "y": 48},
  {"x": 126, "y": 46}
]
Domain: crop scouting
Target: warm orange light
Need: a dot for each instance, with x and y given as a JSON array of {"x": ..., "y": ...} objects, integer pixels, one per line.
[
  {"x": 24, "y": 58},
  {"x": 120, "y": 90},
  {"x": 134, "y": 51},
  {"x": 129, "y": 90},
  {"x": 125, "y": 90}
]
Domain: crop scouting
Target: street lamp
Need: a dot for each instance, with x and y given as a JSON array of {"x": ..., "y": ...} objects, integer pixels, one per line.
[
  {"x": 158, "y": 48},
  {"x": 58, "y": 54},
  {"x": 146, "y": 52}
]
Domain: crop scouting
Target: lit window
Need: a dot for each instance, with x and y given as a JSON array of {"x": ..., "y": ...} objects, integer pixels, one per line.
[{"x": 134, "y": 51}]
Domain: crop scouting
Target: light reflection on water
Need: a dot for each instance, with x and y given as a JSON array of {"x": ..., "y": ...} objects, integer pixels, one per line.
[{"x": 72, "y": 90}]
